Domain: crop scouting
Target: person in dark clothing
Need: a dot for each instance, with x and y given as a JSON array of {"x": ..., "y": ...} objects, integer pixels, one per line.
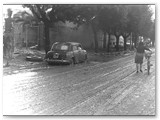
[{"x": 139, "y": 55}]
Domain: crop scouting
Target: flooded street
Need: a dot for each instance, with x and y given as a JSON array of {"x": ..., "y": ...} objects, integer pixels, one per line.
[
  {"x": 94, "y": 88},
  {"x": 79, "y": 59}
]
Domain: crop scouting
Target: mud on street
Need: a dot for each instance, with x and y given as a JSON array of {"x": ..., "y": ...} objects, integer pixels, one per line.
[{"x": 94, "y": 88}]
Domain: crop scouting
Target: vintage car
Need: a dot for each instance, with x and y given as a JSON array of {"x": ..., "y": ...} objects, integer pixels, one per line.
[{"x": 66, "y": 52}]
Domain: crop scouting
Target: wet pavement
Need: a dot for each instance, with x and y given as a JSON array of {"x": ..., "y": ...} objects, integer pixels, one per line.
[{"x": 94, "y": 88}]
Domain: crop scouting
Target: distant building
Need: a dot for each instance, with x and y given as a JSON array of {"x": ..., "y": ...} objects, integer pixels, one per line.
[{"x": 27, "y": 31}]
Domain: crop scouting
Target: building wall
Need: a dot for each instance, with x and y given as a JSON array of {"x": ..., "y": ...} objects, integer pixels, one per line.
[
  {"x": 32, "y": 35},
  {"x": 24, "y": 35},
  {"x": 18, "y": 35}
]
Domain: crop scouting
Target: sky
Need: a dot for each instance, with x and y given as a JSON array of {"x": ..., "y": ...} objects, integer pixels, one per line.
[
  {"x": 14, "y": 8},
  {"x": 154, "y": 10}
]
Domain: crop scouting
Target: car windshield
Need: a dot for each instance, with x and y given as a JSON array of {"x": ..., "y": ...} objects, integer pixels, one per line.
[{"x": 60, "y": 47}]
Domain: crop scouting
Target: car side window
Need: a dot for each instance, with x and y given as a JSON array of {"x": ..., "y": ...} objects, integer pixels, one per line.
[
  {"x": 79, "y": 48},
  {"x": 74, "y": 48}
]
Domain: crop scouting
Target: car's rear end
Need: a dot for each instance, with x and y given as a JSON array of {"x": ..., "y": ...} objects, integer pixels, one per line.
[
  {"x": 58, "y": 53},
  {"x": 57, "y": 57}
]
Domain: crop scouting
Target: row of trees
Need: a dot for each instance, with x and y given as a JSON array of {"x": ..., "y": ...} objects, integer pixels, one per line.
[{"x": 110, "y": 19}]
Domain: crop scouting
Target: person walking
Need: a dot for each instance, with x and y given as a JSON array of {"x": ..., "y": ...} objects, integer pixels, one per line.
[{"x": 140, "y": 55}]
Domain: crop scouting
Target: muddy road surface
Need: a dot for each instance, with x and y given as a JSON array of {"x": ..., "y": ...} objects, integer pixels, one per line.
[{"x": 94, "y": 88}]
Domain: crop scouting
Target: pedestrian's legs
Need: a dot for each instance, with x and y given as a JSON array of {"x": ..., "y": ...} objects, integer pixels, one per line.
[{"x": 137, "y": 67}]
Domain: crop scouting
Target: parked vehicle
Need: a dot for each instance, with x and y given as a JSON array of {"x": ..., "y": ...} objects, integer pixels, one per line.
[{"x": 66, "y": 52}]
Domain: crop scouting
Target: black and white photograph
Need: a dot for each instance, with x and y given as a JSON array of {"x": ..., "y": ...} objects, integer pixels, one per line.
[{"x": 79, "y": 59}]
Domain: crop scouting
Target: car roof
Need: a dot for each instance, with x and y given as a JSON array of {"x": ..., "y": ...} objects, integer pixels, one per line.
[{"x": 71, "y": 43}]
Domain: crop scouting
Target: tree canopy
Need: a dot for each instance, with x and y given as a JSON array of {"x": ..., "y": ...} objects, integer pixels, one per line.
[{"x": 111, "y": 19}]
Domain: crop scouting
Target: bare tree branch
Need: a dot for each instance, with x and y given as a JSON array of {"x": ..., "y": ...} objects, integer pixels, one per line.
[
  {"x": 34, "y": 12},
  {"x": 43, "y": 14}
]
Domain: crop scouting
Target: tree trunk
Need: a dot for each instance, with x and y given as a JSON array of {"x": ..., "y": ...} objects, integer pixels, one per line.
[
  {"x": 117, "y": 42},
  {"x": 95, "y": 42},
  {"x": 125, "y": 45},
  {"x": 135, "y": 40},
  {"x": 104, "y": 41},
  {"x": 95, "y": 38},
  {"x": 47, "y": 40},
  {"x": 131, "y": 44},
  {"x": 109, "y": 37},
  {"x": 125, "y": 36},
  {"x": 131, "y": 41}
]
